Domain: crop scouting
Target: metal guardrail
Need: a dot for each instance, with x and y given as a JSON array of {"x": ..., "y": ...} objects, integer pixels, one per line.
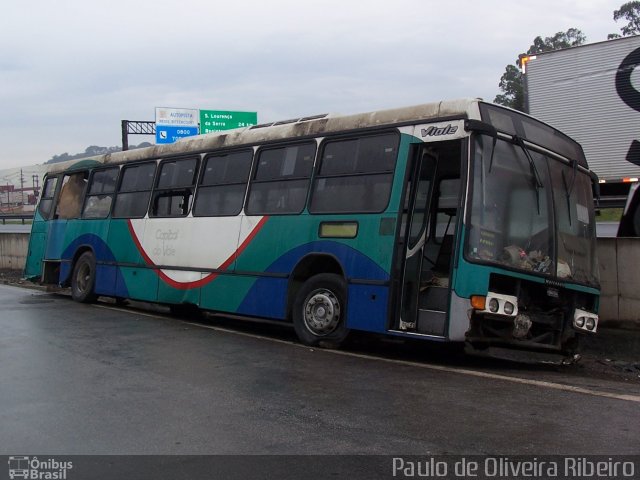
[
  {"x": 15, "y": 216},
  {"x": 612, "y": 202}
]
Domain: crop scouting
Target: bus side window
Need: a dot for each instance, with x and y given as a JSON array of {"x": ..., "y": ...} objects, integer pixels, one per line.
[
  {"x": 48, "y": 193},
  {"x": 174, "y": 188},
  {"x": 355, "y": 175},
  {"x": 102, "y": 186},
  {"x": 132, "y": 199},
  {"x": 223, "y": 185},
  {"x": 281, "y": 181},
  {"x": 71, "y": 195}
]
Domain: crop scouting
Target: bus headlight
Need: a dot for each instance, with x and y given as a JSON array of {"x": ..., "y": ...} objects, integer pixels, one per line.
[
  {"x": 585, "y": 321},
  {"x": 508, "y": 308},
  {"x": 500, "y": 304},
  {"x": 493, "y": 305}
]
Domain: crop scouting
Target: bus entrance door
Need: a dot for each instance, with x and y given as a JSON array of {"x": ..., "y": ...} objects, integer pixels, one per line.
[
  {"x": 433, "y": 299},
  {"x": 417, "y": 208},
  {"x": 429, "y": 244}
]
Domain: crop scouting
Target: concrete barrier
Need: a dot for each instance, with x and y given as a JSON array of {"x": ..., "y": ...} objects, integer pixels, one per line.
[
  {"x": 13, "y": 250},
  {"x": 619, "y": 261},
  {"x": 618, "y": 258}
]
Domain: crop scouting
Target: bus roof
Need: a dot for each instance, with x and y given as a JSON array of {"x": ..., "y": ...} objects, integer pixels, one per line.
[{"x": 317, "y": 125}]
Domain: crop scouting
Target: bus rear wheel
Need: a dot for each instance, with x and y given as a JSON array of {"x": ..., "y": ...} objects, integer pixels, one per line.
[
  {"x": 319, "y": 311},
  {"x": 83, "y": 279}
]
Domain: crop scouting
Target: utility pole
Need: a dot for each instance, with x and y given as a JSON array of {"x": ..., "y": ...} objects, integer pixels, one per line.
[
  {"x": 21, "y": 187},
  {"x": 34, "y": 181},
  {"x": 7, "y": 180}
]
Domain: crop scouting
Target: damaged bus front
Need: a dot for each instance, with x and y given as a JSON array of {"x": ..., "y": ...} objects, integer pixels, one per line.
[{"x": 529, "y": 238}]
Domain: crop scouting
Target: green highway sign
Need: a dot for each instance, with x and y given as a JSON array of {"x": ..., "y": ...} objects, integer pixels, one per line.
[{"x": 217, "y": 120}]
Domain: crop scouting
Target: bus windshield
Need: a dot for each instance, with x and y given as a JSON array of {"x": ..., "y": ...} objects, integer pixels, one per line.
[{"x": 531, "y": 212}]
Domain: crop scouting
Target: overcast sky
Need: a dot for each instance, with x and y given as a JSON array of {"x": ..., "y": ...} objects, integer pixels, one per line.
[{"x": 71, "y": 70}]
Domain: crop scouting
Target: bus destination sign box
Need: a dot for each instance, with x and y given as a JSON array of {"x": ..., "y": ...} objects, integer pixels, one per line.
[{"x": 218, "y": 120}]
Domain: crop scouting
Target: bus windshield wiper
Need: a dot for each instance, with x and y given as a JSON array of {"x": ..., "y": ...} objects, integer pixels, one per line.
[
  {"x": 493, "y": 152},
  {"x": 538, "y": 181},
  {"x": 568, "y": 189}
]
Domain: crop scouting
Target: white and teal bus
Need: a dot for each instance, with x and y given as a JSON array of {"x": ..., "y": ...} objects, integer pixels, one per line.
[{"x": 455, "y": 221}]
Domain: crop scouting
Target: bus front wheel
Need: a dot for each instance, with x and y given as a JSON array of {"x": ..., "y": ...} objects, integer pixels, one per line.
[
  {"x": 319, "y": 311},
  {"x": 83, "y": 278}
]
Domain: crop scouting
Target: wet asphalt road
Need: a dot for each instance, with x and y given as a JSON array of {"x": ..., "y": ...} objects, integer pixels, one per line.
[{"x": 86, "y": 379}]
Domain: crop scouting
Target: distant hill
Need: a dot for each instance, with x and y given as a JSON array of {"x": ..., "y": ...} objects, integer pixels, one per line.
[{"x": 92, "y": 151}]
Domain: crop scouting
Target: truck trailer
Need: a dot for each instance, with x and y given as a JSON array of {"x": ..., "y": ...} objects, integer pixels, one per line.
[{"x": 592, "y": 93}]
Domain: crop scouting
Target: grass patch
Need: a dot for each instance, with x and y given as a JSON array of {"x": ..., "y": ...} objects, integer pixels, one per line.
[
  {"x": 609, "y": 215},
  {"x": 15, "y": 222}
]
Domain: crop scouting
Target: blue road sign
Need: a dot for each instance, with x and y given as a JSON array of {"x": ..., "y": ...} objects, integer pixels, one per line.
[{"x": 169, "y": 134}]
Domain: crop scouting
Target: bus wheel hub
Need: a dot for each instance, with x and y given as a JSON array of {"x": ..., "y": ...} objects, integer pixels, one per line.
[{"x": 322, "y": 312}]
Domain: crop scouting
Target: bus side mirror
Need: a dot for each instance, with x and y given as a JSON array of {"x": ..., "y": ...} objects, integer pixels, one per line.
[
  {"x": 595, "y": 185},
  {"x": 480, "y": 127}
]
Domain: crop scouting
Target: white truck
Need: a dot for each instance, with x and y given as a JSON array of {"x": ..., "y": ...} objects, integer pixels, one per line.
[{"x": 592, "y": 93}]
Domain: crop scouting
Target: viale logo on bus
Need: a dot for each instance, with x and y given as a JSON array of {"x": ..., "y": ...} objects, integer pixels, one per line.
[{"x": 434, "y": 131}]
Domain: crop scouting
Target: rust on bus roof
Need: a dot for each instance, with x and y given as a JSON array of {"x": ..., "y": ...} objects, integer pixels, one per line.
[{"x": 309, "y": 126}]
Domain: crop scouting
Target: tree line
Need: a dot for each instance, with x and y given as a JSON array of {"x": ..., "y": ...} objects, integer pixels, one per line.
[{"x": 92, "y": 151}]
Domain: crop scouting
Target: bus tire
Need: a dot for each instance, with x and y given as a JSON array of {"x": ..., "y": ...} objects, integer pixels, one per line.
[
  {"x": 83, "y": 279},
  {"x": 319, "y": 311}
]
